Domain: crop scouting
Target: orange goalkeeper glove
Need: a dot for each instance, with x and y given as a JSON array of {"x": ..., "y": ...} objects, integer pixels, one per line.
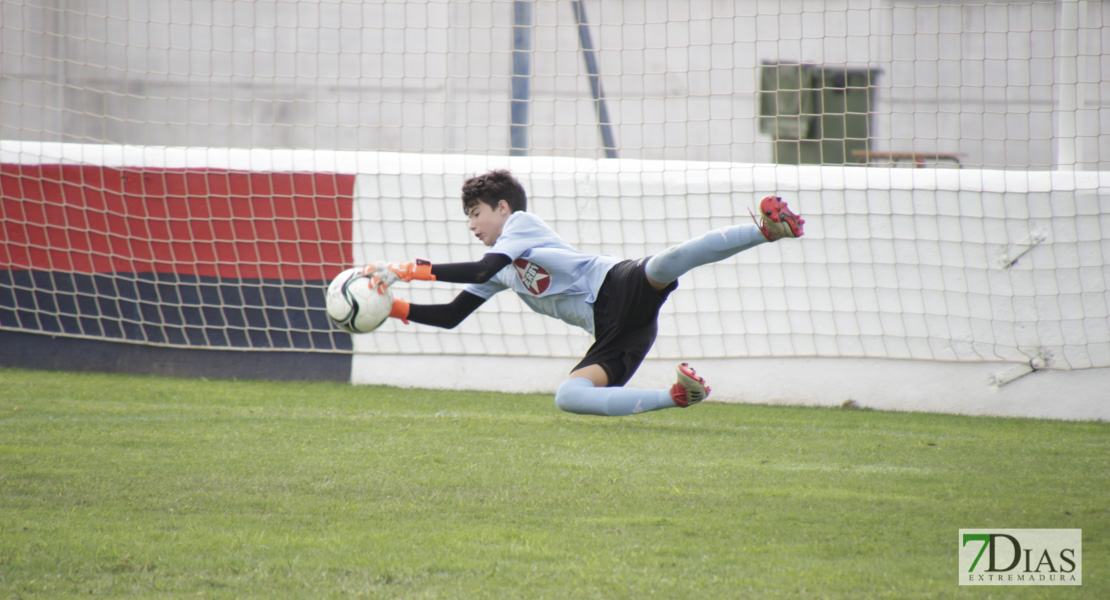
[
  {"x": 400, "y": 310},
  {"x": 416, "y": 269},
  {"x": 390, "y": 273}
]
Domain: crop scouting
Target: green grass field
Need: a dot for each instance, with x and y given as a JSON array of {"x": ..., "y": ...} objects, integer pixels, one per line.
[{"x": 152, "y": 487}]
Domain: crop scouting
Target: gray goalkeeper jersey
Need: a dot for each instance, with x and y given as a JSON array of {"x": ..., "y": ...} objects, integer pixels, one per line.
[{"x": 549, "y": 275}]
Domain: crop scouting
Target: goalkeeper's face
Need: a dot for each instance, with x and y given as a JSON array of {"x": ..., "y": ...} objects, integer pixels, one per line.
[{"x": 486, "y": 221}]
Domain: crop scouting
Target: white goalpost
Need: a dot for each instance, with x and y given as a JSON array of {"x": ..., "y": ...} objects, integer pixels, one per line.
[{"x": 188, "y": 174}]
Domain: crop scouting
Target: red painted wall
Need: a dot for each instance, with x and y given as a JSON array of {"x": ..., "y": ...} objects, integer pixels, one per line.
[{"x": 203, "y": 222}]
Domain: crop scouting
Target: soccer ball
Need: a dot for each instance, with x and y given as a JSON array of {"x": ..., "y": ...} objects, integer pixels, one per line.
[{"x": 354, "y": 304}]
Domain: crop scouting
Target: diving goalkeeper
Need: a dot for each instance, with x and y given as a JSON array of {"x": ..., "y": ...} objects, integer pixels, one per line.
[{"x": 616, "y": 300}]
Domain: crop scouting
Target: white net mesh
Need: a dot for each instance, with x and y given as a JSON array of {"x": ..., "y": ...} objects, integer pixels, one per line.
[{"x": 357, "y": 122}]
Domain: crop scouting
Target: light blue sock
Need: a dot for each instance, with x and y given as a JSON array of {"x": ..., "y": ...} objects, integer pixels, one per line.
[
  {"x": 579, "y": 396},
  {"x": 714, "y": 246}
]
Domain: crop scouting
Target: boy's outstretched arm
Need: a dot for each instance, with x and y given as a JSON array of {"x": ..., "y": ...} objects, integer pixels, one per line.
[
  {"x": 479, "y": 271},
  {"x": 447, "y": 316}
]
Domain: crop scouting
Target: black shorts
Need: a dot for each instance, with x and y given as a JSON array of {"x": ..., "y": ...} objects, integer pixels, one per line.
[{"x": 625, "y": 316}]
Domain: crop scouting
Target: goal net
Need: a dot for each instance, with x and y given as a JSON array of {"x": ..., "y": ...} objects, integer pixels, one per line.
[{"x": 190, "y": 173}]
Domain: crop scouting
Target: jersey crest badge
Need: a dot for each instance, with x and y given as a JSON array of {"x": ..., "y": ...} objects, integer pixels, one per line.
[{"x": 533, "y": 276}]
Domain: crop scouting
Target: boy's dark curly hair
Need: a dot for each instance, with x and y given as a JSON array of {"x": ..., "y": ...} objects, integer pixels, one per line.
[{"x": 493, "y": 187}]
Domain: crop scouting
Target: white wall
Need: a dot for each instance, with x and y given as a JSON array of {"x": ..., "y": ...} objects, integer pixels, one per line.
[{"x": 918, "y": 386}]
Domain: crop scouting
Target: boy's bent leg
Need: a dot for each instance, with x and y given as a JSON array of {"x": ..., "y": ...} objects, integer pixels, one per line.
[
  {"x": 595, "y": 373},
  {"x": 580, "y": 395}
]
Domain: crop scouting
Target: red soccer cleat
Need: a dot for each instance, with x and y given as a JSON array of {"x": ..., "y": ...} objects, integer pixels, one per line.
[
  {"x": 690, "y": 388},
  {"x": 778, "y": 221}
]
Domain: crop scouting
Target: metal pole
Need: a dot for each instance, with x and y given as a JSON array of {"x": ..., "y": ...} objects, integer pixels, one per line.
[
  {"x": 590, "y": 55},
  {"x": 522, "y": 72}
]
